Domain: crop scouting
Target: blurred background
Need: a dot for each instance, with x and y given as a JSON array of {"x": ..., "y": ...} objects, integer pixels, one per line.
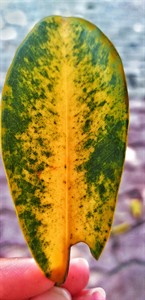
[{"x": 121, "y": 268}]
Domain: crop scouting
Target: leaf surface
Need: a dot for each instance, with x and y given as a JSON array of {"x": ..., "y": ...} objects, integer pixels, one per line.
[{"x": 64, "y": 128}]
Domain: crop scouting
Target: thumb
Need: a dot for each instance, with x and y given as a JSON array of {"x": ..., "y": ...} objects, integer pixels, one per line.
[{"x": 20, "y": 278}]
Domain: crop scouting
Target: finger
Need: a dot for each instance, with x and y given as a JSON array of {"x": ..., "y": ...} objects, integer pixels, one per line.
[
  {"x": 21, "y": 278},
  {"x": 54, "y": 293},
  {"x": 78, "y": 276},
  {"x": 92, "y": 294}
]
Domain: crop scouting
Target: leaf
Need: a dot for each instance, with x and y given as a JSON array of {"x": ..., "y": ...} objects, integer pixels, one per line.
[
  {"x": 64, "y": 128},
  {"x": 136, "y": 208},
  {"x": 120, "y": 228}
]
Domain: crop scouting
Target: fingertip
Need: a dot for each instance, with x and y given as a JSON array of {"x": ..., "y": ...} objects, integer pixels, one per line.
[
  {"x": 78, "y": 276},
  {"x": 91, "y": 294},
  {"x": 81, "y": 261},
  {"x": 98, "y": 294}
]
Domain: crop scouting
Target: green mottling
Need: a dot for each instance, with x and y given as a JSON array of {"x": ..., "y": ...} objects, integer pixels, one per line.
[
  {"x": 89, "y": 215},
  {"x": 35, "y": 95},
  {"x": 107, "y": 157},
  {"x": 91, "y": 93},
  {"x": 92, "y": 39},
  {"x": 44, "y": 73},
  {"x": 28, "y": 198},
  {"x": 41, "y": 167},
  {"x": 43, "y": 94},
  {"x": 36, "y": 82},
  {"x": 84, "y": 89},
  {"x": 102, "y": 103},
  {"x": 40, "y": 186},
  {"x": 110, "y": 119},
  {"x": 102, "y": 191},
  {"x": 9, "y": 164},
  {"x": 40, "y": 141},
  {"x": 31, "y": 46},
  {"x": 53, "y": 112},
  {"x": 53, "y": 25},
  {"x": 87, "y": 125},
  {"x": 8, "y": 143},
  {"x": 79, "y": 168},
  {"x": 14, "y": 122},
  {"x": 81, "y": 38},
  {"x": 109, "y": 223},
  {"x": 47, "y": 206},
  {"x": 32, "y": 161},
  {"x": 92, "y": 105},
  {"x": 80, "y": 56},
  {"x": 31, "y": 225},
  {"x": 100, "y": 211},
  {"x": 17, "y": 119},
  {"x": 50, "y": 87},
  {"x": 89, "y": 143},
  {"x": 35, "y": 201},
  {"x": 98, "y": 249},
  {"x": 80, "y": 52},
  {"x": 97, "y": 228},
  {"x": 97, "y": 75},
  {"x": 26, "y": 186},
  {"x": 109, "y": 171},
  {"x": 113, "y": 80},
  {"x": 95, "y": 54},
  {"x": 47, "y": 153},
  {"x": 22, "y": 91},
  {"x": 39, "y": 115},
  {"x": 17, "y": 106},
  {"x": 103, "y": 59}
]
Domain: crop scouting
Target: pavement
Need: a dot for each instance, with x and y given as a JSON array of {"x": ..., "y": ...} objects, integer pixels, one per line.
[{"x": 121, "y": 268}]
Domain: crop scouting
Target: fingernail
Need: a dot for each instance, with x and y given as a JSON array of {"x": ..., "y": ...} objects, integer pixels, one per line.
[
  {"x": 81, "y": 261},
  {"x": 54, "y": 293},
  {"x": 60, "y": 294},
  {"x": 98, "y": 294}
]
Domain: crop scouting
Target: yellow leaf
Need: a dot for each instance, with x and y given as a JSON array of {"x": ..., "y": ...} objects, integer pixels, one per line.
[
  {"x": 64, "y": 128},
  {"x": 121, "y": 228},
  {"x": 136, "y": 208}
]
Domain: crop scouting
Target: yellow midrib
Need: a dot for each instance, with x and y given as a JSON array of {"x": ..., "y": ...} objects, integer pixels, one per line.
[{"x": 64, "y": 36}]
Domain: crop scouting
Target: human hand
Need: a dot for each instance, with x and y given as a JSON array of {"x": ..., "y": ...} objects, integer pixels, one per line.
[{"x": 21, "y": 278}]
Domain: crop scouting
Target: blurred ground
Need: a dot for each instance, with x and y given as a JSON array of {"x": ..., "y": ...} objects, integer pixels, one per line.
[{"x": 121, "y": 268}]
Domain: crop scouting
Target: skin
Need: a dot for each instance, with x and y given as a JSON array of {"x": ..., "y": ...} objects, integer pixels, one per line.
[{"x": 21, "y": 279}]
